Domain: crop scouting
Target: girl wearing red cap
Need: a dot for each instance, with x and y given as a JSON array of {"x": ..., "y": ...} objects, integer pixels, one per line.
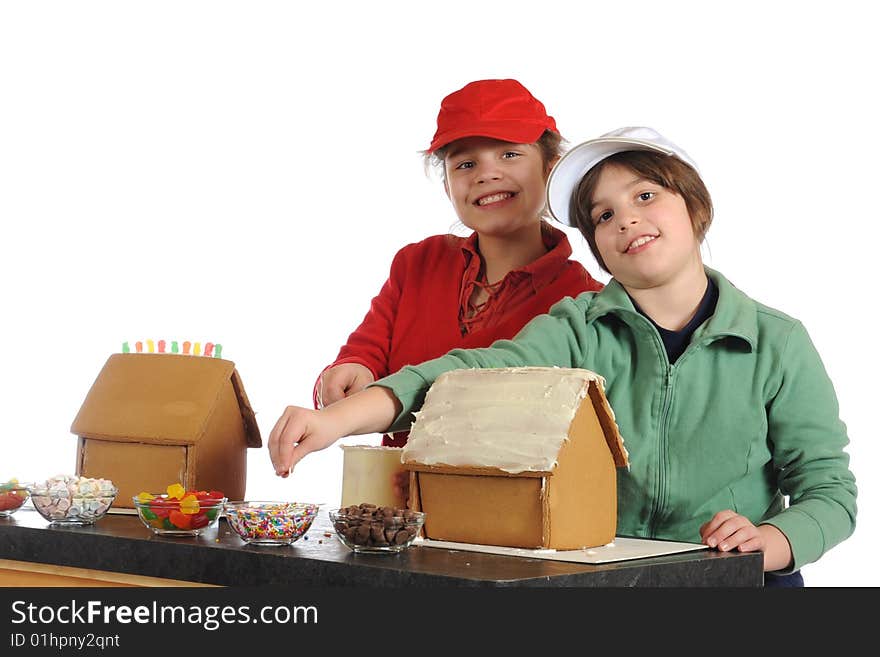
[{"x": 495, "y": 145}]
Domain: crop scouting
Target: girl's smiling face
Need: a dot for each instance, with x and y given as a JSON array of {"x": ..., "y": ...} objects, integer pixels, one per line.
[
  {"x": 642, "y": 230},
  {"x": 496, "y": 187}
]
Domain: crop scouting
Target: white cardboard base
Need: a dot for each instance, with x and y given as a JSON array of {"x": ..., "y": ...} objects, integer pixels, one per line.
[{"x": 622, "y": 549}]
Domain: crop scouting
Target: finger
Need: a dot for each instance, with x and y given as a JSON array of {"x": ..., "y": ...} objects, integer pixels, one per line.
[
  {"x": 358, "y": 383},
  {"x": 752, "y": 545},
  {"x": 287, "y": 441},
  {"x": 300, "y": 450},
  {"x": 736, "y": 538},
  {"x": 714, "y": 523},
  {"x": 404, "y": 494},
  {"x": 723, "y": 535},
  {"x": 274, "y": 439},
  {"x": 332, "y": 389}
]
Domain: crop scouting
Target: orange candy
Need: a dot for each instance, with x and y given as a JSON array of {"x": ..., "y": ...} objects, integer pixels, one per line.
[{"x": 180, "y": 520}]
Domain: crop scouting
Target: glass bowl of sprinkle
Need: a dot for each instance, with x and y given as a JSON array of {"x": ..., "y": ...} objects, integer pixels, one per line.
[{"x": 270, "y": 523}]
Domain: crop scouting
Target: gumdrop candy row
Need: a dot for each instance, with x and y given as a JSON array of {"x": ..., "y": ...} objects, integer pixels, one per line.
[{"x": 187, "y": 348}]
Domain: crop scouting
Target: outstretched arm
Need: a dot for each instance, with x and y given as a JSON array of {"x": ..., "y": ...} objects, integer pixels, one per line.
[{"x": 301, "y": 431}]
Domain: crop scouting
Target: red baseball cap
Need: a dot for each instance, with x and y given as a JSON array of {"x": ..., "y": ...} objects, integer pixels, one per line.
[{"x": 500, "y": 109}]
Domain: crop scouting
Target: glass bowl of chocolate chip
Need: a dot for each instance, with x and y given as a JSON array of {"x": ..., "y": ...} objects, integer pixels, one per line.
[{"x": 367, "y": 527}]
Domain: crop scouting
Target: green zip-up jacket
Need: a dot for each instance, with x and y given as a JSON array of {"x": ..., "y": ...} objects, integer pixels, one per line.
[{"x": 746, "y": 416}]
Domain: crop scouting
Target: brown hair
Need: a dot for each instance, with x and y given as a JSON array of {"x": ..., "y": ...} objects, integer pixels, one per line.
[
  {"x": 551, "y": 143},
  {"x": 665, "y": 170}
]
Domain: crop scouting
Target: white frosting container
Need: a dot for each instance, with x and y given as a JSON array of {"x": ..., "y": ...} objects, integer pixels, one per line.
[{"x": 368, "y": 473}]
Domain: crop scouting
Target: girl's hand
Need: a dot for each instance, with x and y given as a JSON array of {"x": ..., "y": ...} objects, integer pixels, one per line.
[
  {"x": 728, "y": 530},
  {"x": 400, "y": 485},
  {"x": 342, "y": 381},
  {"x": 299, "y": 431}
]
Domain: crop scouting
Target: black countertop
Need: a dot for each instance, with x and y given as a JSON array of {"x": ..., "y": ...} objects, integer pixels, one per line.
[{"x": 120, "y": 543}]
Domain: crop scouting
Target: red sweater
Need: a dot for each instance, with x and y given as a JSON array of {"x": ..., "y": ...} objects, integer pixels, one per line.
[{"x": 417, "y": 314}]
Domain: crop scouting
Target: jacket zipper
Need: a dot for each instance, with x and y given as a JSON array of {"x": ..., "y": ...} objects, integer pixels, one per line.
[
  {"x": 663, "y": 447},
  {"x": 662, "y": 487}
]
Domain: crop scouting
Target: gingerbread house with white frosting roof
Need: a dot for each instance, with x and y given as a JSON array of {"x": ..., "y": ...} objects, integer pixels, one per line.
[{"x": 519, "y": 457}]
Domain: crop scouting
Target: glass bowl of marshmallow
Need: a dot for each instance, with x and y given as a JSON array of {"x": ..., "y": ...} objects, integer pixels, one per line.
[{"x": 72, "y": 500}]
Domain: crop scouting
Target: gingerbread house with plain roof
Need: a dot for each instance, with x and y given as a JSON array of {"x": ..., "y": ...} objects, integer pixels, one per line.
[
  {"x": 150, "y": 420},
  {"x": 518, "y": 457}
]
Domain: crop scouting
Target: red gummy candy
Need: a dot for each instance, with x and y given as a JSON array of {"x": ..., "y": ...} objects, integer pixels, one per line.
[
  {"x": 180, "y": 520},
  {"x": 198, "y": 521},
  {"x": 209, "y": 496},
  {"x": 162, "y": 507}
]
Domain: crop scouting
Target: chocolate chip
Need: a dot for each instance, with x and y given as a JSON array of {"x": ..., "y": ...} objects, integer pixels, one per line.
[{"x": 362, "y": 534}]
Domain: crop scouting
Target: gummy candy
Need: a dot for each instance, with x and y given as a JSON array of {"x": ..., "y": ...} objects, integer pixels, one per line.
[
  {"x": 189, "y": 504},
  {"x": 202, "y": 519},
  {"x": 180, "y": 520},
  {"x": 176, "y": 491}
]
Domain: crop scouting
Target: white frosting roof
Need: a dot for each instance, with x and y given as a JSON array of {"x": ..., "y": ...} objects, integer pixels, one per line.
[{"x": 514, "y": 419}]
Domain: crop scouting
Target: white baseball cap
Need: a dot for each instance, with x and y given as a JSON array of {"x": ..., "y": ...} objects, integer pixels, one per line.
[{"x": 574, "y": 165}]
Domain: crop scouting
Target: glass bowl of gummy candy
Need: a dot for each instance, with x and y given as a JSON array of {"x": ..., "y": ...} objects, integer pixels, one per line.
[
  {"x": 73, "y": 500},
  {"x": 270, "y": 523},
  {"x": 12, "y": 496},
  {"x": 179, "y": 512}
]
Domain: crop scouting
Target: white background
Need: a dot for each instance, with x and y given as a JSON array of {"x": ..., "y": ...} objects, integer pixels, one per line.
[{"x": 242, "y": 173}]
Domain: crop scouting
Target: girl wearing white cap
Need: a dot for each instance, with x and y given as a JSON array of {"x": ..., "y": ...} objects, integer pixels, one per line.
[
  {"x": 495, "y": 145},
  {"x": 724, "y": 403}
]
